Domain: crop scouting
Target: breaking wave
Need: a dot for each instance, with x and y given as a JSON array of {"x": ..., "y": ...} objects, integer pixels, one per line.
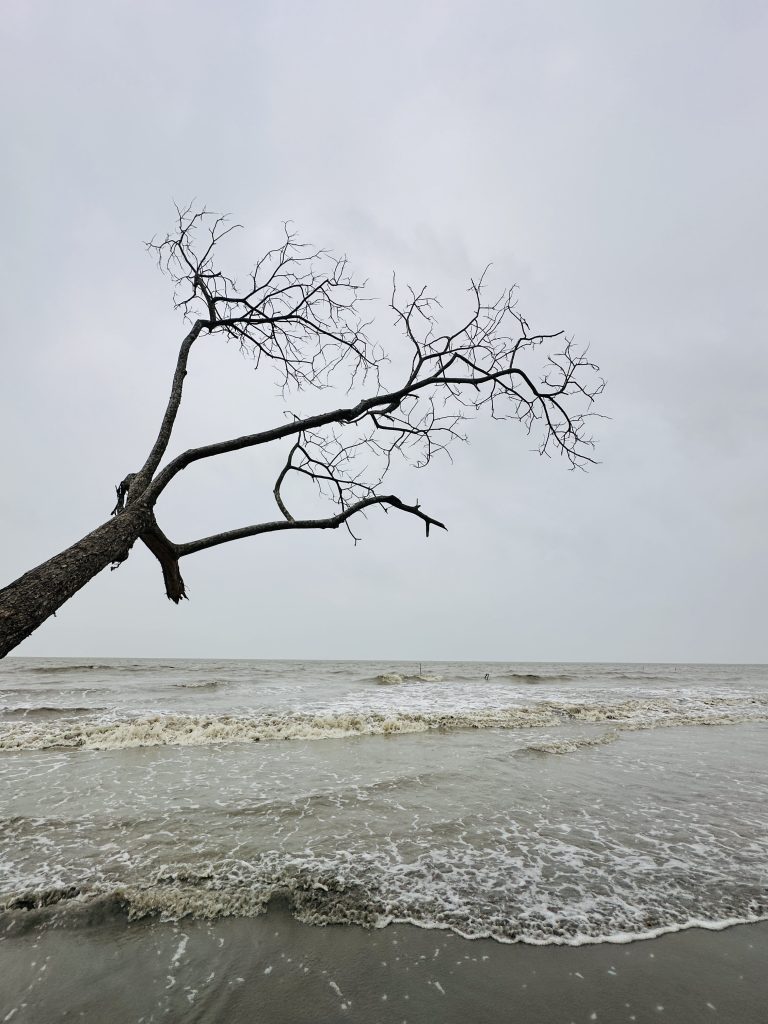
[
  {"x": 374, "y": 894},
  {"x": 395, "y": 678},
  {"x": 204, "y": 730},
  {"x": 572, "y": 743}
]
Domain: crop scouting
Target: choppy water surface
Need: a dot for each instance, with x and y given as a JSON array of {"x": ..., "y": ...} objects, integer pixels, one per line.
[{"x": 545, "y": 803}]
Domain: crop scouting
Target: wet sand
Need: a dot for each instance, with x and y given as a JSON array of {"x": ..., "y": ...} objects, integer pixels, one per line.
[{"x": 275, "y": 970}]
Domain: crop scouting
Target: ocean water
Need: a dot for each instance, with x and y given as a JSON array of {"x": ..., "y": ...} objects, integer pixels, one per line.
[{"x": 546, "y": 804}]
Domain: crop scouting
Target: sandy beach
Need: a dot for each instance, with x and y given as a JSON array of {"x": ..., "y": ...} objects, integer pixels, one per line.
[{"x": 274, "y": 969}]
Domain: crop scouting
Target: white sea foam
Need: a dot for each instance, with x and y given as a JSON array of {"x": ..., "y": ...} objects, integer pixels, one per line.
[
  {"x": 112, "y": 733},
  {"x": 203, "y": 730},
  {"x": 373, "y": 893},
  {"x": 563, "y": 823}
]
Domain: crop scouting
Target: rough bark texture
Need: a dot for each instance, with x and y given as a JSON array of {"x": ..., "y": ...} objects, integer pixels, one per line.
[
  {"x": 167, "y": 554},
  {"x": 139, "y": 481},
  {"x": 27, "y": 602}
]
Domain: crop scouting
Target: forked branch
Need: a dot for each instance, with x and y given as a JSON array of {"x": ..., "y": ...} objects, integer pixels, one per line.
[
  {"x": 329, "y": 523},
  {"x": 298, "y": 310}
]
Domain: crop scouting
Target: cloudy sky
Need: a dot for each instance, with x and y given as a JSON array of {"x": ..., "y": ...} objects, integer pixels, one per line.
[{"x": 609, "y": 158}]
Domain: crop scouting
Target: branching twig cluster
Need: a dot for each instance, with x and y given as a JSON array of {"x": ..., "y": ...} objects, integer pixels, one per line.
[
  {"x": 488, "y": 362},
  {"x": 299, "y": 309}
]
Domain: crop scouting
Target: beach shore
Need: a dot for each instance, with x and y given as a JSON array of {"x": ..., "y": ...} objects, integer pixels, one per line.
[{"x": 275, "y": 970}]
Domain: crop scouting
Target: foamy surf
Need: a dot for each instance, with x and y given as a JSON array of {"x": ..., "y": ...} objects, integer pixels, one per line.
[
  {"x": 205, "y": 730},
  {"x": 396, "y": 678},
  {"x": 547, "y": 804},
  {"x": 374, "y": 894}
]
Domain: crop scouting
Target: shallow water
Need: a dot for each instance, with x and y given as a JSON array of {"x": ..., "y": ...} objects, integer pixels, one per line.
[
  {"x": 553, "y": 804},
  {"x": 273, "y": 969}
]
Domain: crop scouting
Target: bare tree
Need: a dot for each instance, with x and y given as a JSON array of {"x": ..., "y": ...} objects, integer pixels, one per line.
[{"x": 299, "y": 311}]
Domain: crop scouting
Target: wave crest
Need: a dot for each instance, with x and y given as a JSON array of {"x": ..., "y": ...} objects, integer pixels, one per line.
[
  {"x": 572, "y": 743},
  {"x": 205, "y": 730},
  {"x": 367, "y": 893},
  {"x": 395, "y": 678},
  {"x": 47, "y": 711}
]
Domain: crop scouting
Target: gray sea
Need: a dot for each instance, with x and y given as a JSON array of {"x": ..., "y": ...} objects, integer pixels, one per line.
[{"x": 556, "y": 804}]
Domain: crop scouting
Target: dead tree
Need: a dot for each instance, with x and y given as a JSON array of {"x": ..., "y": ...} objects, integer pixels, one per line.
[{"x": 299, "y": 312}]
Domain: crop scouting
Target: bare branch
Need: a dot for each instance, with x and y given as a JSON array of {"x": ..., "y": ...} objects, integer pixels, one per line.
[
  {"x": 166, "y": 552},
  {"x": 424, "y": 415},
  {"x": 147, "y": 471},
  {"x": 491, "y": 362},
  {"x": 297, "y": 307},
  {"x": 283, "y": 473},
  {"x": 330, "y": 523}
]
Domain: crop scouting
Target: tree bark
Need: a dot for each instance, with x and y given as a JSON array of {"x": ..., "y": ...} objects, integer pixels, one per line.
[
  {"x": 27, "y": 602},
  {"x": 167, "y": 555}
]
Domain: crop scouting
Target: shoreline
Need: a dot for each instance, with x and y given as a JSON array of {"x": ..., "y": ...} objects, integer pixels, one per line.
[
  {"x": 276, "y": 969},
  {"x": 618, "y": 939}
]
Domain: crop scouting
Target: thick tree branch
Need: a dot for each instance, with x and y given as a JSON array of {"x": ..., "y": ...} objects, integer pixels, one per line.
[
  {"x": 330, "y": 523},
  {"x": 388, "y": 402},
  {"x": 167, "y": 554},
  {"x": 342, "y": 415},
  {"x": 142, "y": 478}
]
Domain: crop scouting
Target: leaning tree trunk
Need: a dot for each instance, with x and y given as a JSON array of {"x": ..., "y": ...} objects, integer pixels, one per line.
[{"x": 26, "y": 603}]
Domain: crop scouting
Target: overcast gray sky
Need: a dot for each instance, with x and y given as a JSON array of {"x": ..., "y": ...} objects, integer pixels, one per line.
[{"x": 609, "y": 157}]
